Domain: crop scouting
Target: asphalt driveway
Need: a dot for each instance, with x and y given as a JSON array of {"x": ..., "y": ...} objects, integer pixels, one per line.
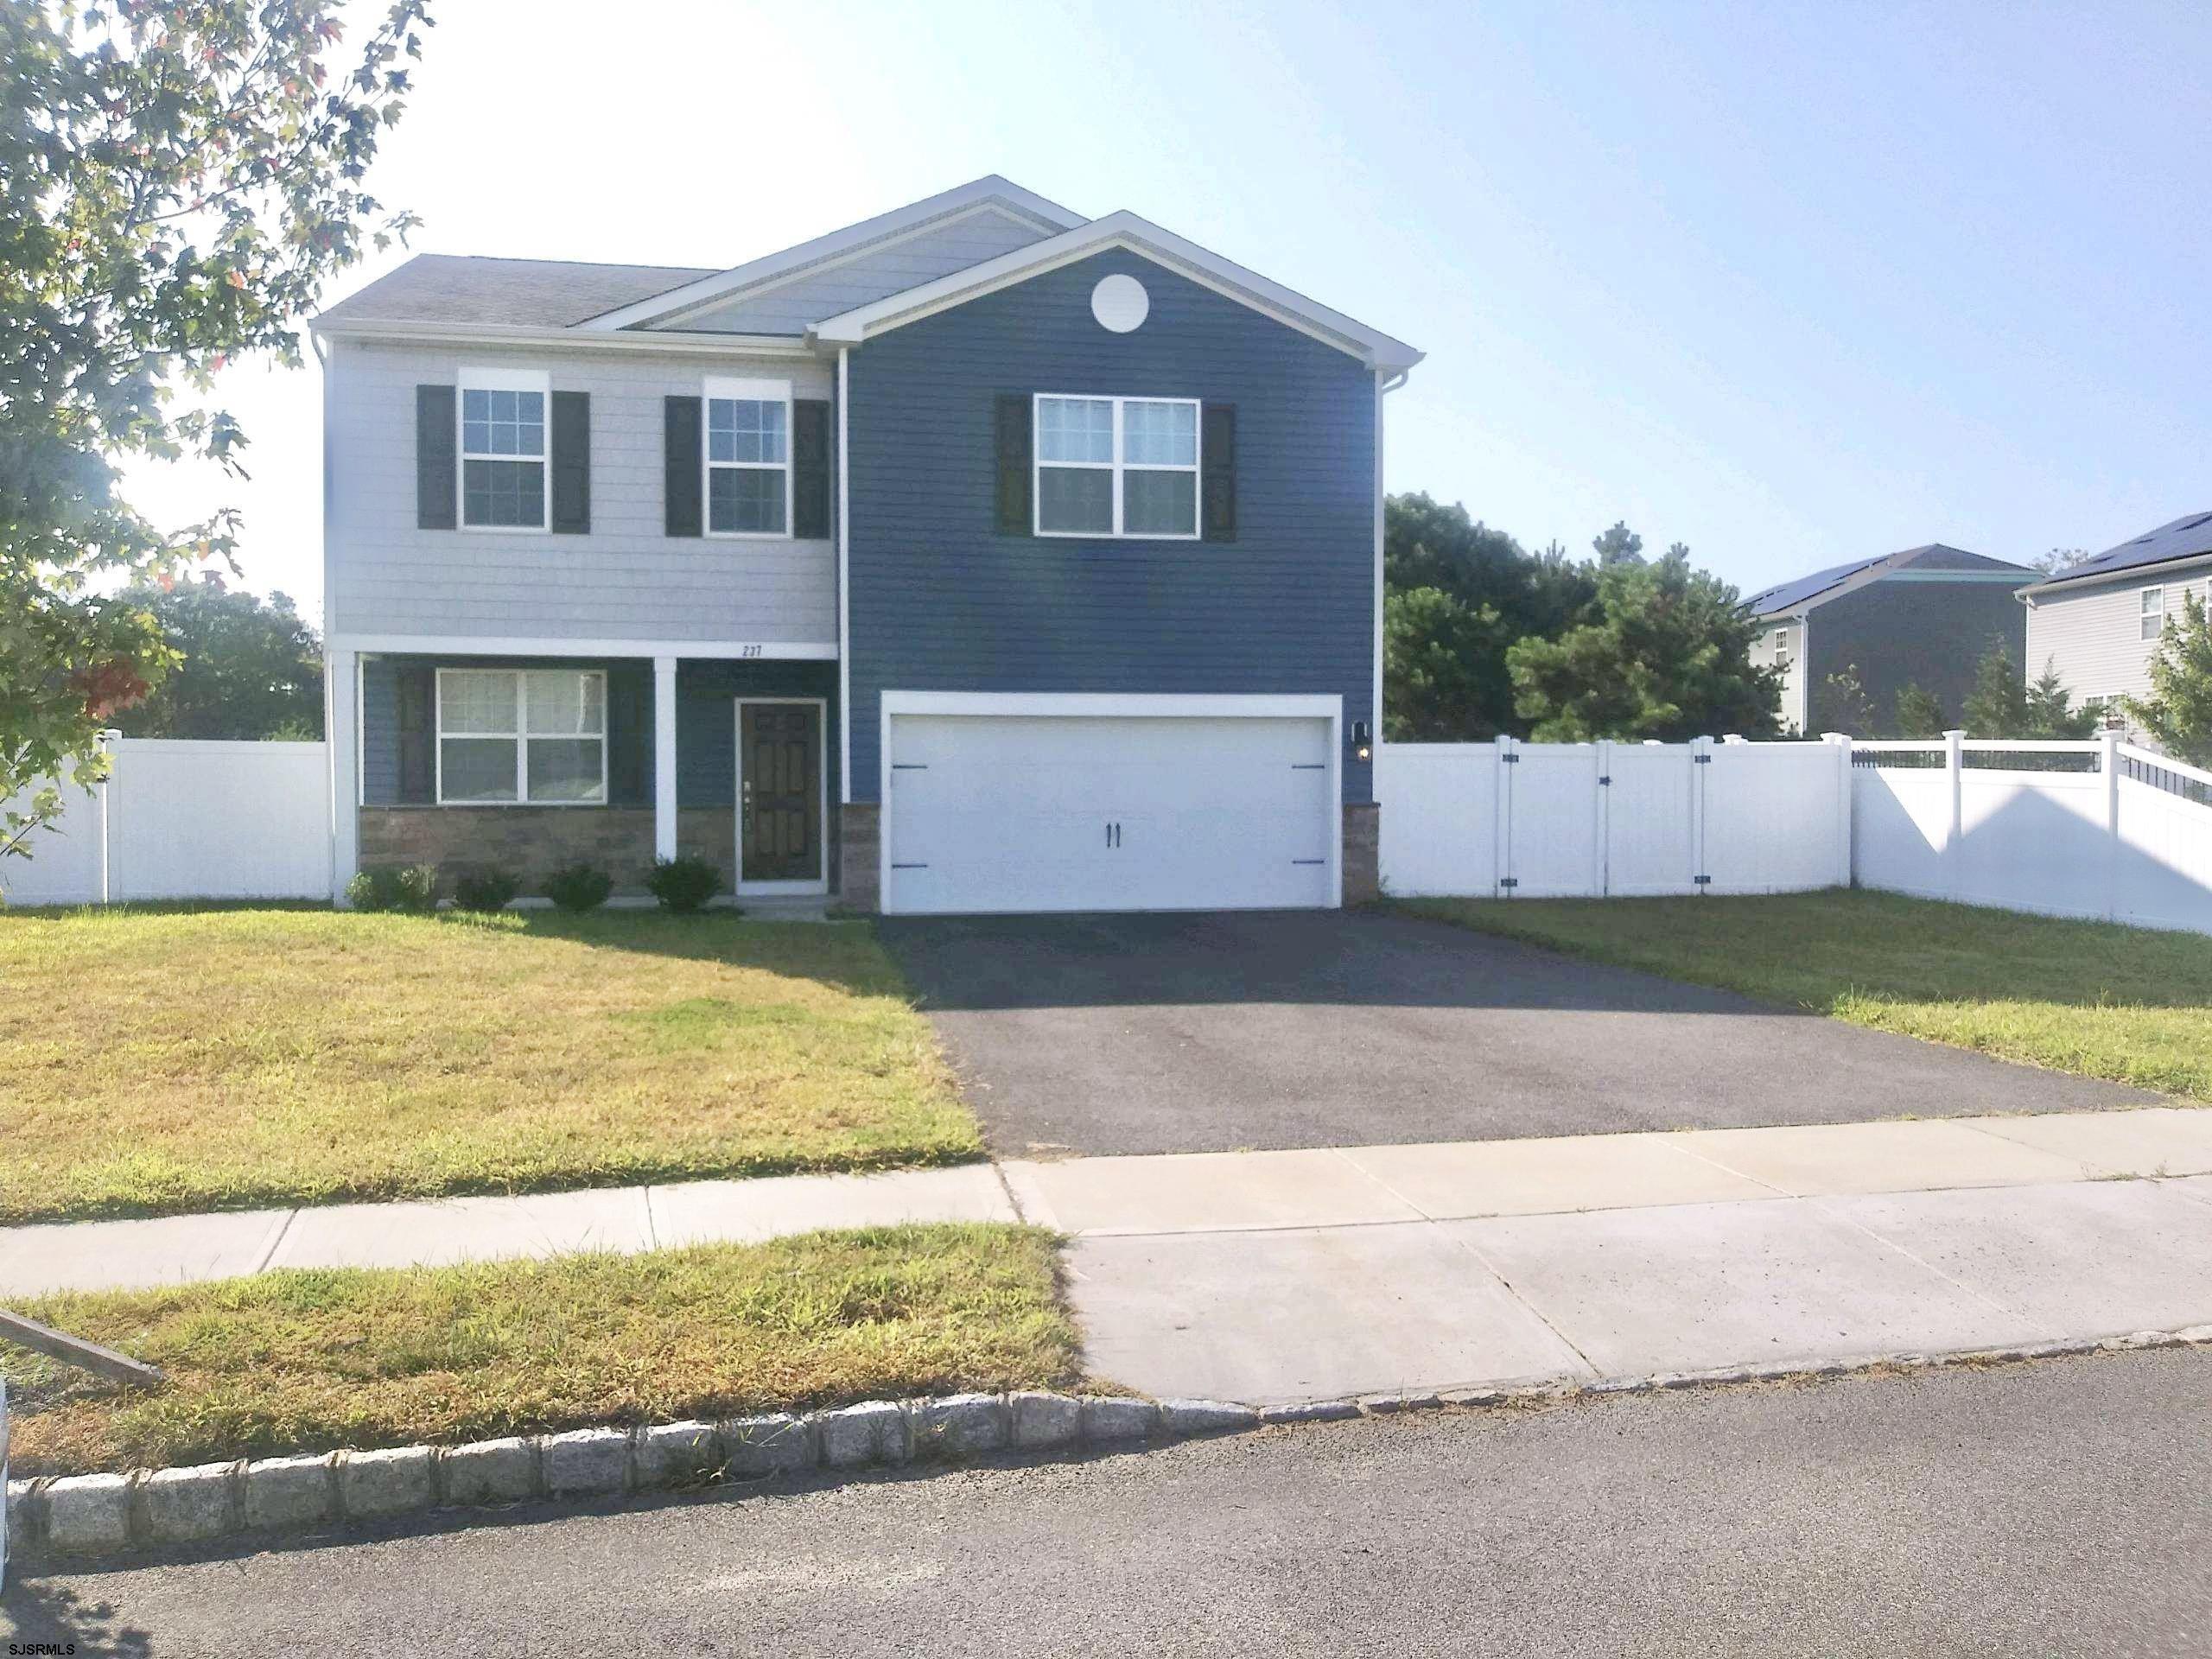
[{"x": 1215, "y": 1032}]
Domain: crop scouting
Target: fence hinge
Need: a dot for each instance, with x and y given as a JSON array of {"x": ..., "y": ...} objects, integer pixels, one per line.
[
  {"x": 1703, "y": 759},
  {"x": 1701, "y": 879},
  {"x": 1604, "y": 783},
  {"x": 1508, "y": 881},
  {"x": 1510, "y": 759}
]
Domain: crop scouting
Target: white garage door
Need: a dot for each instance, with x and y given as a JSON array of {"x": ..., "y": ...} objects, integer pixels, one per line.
[{"x": 1025, "y": 813}]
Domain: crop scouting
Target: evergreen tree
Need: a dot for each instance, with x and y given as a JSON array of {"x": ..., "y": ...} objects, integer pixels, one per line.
[
  {"x": 1997, "y": 704},
  {"x": 2177, "y": 714},
  {"x": 1918, "y": 713}
]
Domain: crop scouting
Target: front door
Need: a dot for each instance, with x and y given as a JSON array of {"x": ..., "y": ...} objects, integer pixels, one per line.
[{"x": 779, "y": 791}]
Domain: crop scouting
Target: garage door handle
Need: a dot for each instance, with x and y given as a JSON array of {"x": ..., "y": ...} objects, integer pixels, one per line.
[{"x": 1113, "y": 834}]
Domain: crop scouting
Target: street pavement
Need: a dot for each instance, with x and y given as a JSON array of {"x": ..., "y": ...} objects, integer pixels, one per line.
[{"x": 2054, "y": 1508}]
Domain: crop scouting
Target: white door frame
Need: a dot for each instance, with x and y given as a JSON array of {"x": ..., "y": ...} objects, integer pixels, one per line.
[
  {"x": 820, "y": 883},
  {"x": 1117, "y": 705}
]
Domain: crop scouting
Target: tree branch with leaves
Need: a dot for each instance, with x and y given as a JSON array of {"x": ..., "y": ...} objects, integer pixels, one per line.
[{"x": 179, "y": 178}]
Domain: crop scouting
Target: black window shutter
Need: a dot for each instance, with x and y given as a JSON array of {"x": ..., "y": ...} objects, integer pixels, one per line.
[
  {"x": 810, "y": 469},
  {"x": 572, "y": 462},
  {"x": 435, "y": 458},
  {"x": 684, "y": 467},
  {"x": 1217, "y": 487},
  {"x": 1014, "y": 446},
  {"x": 415, "y": 685},
  {"x": 630, "y": 733}
]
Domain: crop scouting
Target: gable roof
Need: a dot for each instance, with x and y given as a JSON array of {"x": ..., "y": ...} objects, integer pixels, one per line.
[
  {"x": 2185, "y": 537},
  {"x": 444, "y": 287},
  {"x": 1121, "y": 230},
  {"x": 717, "y": 287},
  {"x": 1933, "y": 562}
]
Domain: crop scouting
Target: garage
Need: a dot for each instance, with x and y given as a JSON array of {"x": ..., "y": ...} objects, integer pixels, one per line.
[{"x": 995, "y": 802}]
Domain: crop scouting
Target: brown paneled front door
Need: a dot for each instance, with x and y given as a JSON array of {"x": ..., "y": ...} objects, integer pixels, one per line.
[{"x": 779, "y": 791}]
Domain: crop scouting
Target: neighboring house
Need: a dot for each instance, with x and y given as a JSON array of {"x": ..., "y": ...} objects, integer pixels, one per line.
[
  {"x": 2099, "y": 621},
  {"x": 1924, "y": 616},
  {"x": 975, "y": 558}
]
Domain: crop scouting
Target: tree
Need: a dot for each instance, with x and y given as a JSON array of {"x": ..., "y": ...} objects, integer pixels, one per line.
[
  {"x": 1919, "y": 715},
  {"x": 2051, "y": 712},
  {"x": 2177, "y": 714},
  {"x": 2059, "y": 559},
  {"x": 1997, "y": 704},
  {"x": 1842, "y": 704},
  {"x": 248, "y": 667},
  {"x": 1454, "y": 585},
  {"x": 1443, "y": 669},
  {"x": 178, "y": 179},
  {"x": 1621, "y": 545},
  {"x": 1664, "y": 652}
]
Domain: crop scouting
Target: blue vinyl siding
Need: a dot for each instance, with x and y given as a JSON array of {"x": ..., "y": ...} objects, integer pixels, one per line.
[
  {"x": 939, "y": 602},
  {"x": 706, "y": 721}
]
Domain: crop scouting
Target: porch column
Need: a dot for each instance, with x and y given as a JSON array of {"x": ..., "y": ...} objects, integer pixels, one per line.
[
  {"x": 664, "y": 757},
  {"x": 342, "y": 741}
]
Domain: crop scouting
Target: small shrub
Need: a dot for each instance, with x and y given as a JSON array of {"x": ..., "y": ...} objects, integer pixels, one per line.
[
  {"x": 407, "y": 887},
  {"x": 487, "y": 889},
  {"x": 579, "y": 886},
  {"x": 683, "y": 884}
]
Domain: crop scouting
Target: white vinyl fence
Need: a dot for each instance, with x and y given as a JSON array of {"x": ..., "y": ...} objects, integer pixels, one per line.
[
  {"x": 2099, "y": 829},
  {"x": 181, "y": 819},
  {"x": 1592, "y": 820}
]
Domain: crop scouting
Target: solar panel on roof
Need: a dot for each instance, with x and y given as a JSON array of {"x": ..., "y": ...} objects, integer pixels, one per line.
[{"x": 1786, "y": 594}]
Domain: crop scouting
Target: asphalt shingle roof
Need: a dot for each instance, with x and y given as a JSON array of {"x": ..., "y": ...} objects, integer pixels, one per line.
[
  {"x": 2185, "y": 537},
  {"x": 506, "y": 293},
  {"x": 1789, "y": 595}
]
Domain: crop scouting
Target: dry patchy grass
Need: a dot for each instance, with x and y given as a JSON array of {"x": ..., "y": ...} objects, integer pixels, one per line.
[
  {"x": 2129, "y": 1004},
  {"x": 163, "y": 1061},
  {"x": 301, "y": 1361}
]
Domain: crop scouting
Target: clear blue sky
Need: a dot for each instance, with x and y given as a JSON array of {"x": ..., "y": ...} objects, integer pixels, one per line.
[{"x": 1792, "y": 283}]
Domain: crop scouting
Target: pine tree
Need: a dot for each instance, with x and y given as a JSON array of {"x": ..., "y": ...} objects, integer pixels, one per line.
[
  {"x": 1997, "y": 705},
  {"x": 2177, "y": 714},
  {"x": 1919, "y": 715}
]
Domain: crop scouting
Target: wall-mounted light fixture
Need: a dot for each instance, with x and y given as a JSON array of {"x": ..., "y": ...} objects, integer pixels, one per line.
[{"x": 1362, "y": 742}]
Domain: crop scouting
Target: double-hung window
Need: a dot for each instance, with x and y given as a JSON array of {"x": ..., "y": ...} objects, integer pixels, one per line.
[
  {"x": 748, "y": 458},
  {"x": 531, "y": 736},
  {"x": 1124, "y": 467},
  {"x": 2154, "y": 611},
  {"x": 503, "y": 449}
]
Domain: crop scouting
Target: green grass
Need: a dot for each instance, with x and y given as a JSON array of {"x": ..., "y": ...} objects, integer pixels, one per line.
[
  {"x": 170, "y": 1060},
  {"x": 306, "y": 1361},
  {"x": 2127, "y": 1004}
]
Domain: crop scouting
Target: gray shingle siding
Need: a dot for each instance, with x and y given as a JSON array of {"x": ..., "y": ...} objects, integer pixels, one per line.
[
  {"x": 2092, "y": 631},
  {"x": 789, "y": 307},
  {"x": 940, "y": 602},
  {"x": 626, "y": 580},
  {"x": 1895, "y": 632}
]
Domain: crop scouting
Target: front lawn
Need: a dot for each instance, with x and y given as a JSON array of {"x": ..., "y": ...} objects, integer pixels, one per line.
[
  {"x": 170, "y": 1060},
  {"x": 2124, "y": 1003},
  {"x": 305, "y": 1361}
]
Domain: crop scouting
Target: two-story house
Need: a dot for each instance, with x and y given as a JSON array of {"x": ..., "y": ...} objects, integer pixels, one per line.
[
  {"x": 2099, "y": 622},
  {"x": 1923, "y": 617},
  {"x": 975, "y": 558}
]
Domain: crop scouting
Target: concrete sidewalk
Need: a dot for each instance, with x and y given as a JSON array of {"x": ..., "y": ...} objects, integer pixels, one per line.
[{"x": 1274, "y": 1276}]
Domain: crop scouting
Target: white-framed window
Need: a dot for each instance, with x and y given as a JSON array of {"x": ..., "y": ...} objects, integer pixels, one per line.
[
  {"x": 1116, "y": 466},
  {"x": 2154, "y": 611},
  {"x": 1781, "y": 647},
  {"x": 748, "y": 458},
  {"x": 521, "y": 736},
  {"x": 503, "y": 447}
]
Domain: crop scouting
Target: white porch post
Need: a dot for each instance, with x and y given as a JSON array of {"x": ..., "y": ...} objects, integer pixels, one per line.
[
  {"x": 664, "y": 757},
  {"x": 342, "y": 738}
]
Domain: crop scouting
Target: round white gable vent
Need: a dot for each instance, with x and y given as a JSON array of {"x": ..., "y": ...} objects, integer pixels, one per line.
[{"x": 1119, "y": 303}]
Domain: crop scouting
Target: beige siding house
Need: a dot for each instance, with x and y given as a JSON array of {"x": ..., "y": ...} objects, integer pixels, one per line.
[{"x": 2098, "y": 623}]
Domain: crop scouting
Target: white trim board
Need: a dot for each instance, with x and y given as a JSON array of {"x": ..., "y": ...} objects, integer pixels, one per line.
[
  {"x": 820, "y": 884},
  {"x": 838, "y": 246},
  {"x": 457, "y": 644},
  {"x": 1140, "y": 236},
  {"x": 669, "y": 343}
]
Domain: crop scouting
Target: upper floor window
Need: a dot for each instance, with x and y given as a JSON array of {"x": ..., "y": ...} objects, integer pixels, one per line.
[
  {"x": 1117, "y": 467},
  {"x": 748, "y": 432},
  {"x": 512, "y": 736},
  {"x": 2154, "y": 611},
  {"x": 503, "y": 449},
  {"x": 1781, "y": 647}
]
